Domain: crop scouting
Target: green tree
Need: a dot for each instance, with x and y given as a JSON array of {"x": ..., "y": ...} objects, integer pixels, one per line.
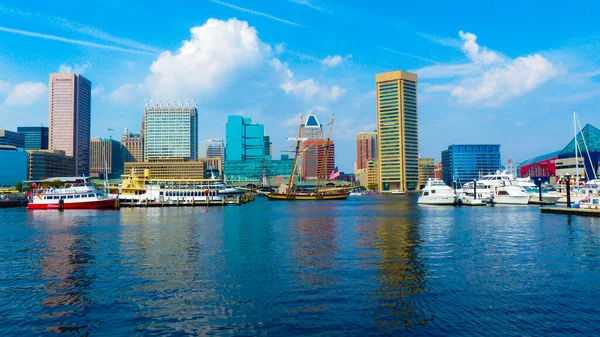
[
  {"x": 373, "y": 187},
  {"x": 19, "y": 187}
]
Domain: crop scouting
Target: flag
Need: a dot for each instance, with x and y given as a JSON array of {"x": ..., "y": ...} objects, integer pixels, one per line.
[{"x": 334, "y": 174}]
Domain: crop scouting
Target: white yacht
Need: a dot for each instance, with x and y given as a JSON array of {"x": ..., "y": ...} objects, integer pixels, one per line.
[
  {"x": 437, "y": 193},
  {"x": 511, "y": 195},
  {"x": 533, "y": 190},
  {"x": 589, "y": 202}
]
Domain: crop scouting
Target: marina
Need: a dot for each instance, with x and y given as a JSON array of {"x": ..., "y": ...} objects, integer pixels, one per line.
[{"x": 377, "y": 265}]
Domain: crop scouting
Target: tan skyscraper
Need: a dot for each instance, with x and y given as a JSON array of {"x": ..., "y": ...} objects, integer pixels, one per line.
[
  {"x": 133, "y": 147},
  {"x": 70, "y": 106},
  {"x": 398, "y": 134}
]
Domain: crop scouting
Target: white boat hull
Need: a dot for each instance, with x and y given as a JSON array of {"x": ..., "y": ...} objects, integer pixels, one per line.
[
  {"x": 437, "y": 200},
  {"x": 511, "y": 200}
]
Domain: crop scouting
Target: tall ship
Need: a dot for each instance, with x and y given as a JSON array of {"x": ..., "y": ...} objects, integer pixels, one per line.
[
  {"x": 77, "y": 193},
  {"x": 291, "y": 191}
]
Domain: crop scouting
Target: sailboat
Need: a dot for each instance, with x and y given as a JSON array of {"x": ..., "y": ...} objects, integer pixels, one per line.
[{"x": 291, "y": 191}]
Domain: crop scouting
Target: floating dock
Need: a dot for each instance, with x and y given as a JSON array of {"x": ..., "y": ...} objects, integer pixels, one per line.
[
  {"x": 232, "y": 200},
  {"x": 542, "y": 202},
  {"x": 573, "y": 211},
  {"x": 13, "y": 203}
]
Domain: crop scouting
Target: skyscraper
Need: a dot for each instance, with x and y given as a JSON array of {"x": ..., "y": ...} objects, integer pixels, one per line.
[
  {"x": 213, "y": 148},
  {"x": 36, "y": 137},
  {"x": 245, "y": 139},
  {"x": 133, "y": 147},
  {"x": 311, "y": 159},
  {"x": 398, "y": 137},
  {"x": 366, "y": 148},
  {"x": 171, "y": 130},
  {"x": 105, "y": 155},
  {"x": 312, "y": 129},
  {"x": 70, "y": 115}
]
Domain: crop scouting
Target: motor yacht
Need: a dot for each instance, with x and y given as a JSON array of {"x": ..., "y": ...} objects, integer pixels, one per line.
[{"x": 436, "y": 192}]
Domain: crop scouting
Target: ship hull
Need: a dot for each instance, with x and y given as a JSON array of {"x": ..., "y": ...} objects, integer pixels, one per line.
[
  {"x": 274, "y": 196},
  {"x": 96, "y": 204}
]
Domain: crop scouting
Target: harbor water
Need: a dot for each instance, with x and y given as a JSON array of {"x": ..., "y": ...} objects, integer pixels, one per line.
[{"x": 371, "y": 265}]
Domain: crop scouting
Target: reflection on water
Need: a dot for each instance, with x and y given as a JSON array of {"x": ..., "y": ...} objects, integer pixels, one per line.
[
  {"x": 370, "y": 266},
  {"x": 400, "y": 300}
]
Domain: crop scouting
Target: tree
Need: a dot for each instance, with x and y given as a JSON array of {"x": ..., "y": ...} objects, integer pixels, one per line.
[
  {"x": 373, "y": 187},
  {"x": 19, "y": 187}
]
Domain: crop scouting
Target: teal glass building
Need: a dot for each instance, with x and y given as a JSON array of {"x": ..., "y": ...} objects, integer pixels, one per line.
[
  {"x": 36, "y": 137},
  {"x": 468, "y": 162},
  {"x": 171, "y": 130},
  {"x": 245, "y": 140}
]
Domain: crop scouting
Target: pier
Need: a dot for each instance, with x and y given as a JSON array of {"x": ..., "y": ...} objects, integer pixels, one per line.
[{"x": 572, "y": 211}]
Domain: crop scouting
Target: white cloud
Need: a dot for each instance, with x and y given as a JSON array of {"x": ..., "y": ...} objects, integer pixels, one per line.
[
  {"x": 26, "y": 93},
  {"x": 127, "y": 93},
  {"x": 77, "y": 68},
  {"x": 490, "y": 79},
  {"x": 309, "y": 89},
  {"x": 511, "y": 80},
  {"x": 448, "y": 70},
  {"x": 4, "y": 86},
  {"x": 97, "y": 91},
  {"x": 332, "y": 61},
  {"x": 217, "y": 52},
  {"x": 280, "y": 48},
  {"x": 308, "y": 3},
  {"x": 474, "y": 52}
]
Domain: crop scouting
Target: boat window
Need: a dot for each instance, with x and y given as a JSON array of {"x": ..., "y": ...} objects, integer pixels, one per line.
[
  {"x": 45, "y": 197},
  {"x": 425, "y": 193},
  {"x": 69, "y": 197},
  {"x": 502, "y": 193},
  {"x": 161, "y": 193},
  {"x": 432, "y": 191},
  {"x": 596, "y": 201}
]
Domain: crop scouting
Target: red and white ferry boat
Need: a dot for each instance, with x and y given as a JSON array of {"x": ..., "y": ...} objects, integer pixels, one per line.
[{"x": 79, "y": 194}]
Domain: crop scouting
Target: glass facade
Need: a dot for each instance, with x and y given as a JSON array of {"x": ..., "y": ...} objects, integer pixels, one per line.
[
  {"x": 253, "y": 169},
  {"x": 13, "y": 167},
  {"x": 245, "y": 140},
  {"x": 465, "y": 163},
  {"x": 36, "y": 137},
  {"x": 171, "y": 130},
  {"x": 588, "y": 148},
  {"x": 12, "y": 139}
]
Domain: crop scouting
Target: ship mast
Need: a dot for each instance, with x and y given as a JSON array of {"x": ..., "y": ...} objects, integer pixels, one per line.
[
  {"x": 298, "y": 140},
  {"x": 325, "y": 156}
]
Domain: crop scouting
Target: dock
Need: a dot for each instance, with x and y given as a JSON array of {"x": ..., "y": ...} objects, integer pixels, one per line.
[
  {"x": 542, "y": 202},
  {"x": 13, "y": 203},
  {"x": 572, "y": 211},
  {"x": 231, "y": 200}
]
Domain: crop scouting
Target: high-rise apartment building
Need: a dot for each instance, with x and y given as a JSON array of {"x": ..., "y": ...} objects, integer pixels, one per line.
[
  {"x": 105, "y": 157},
  {"x": 212, "y": 148},
  {"x": 245, "y": 139},
  {"x": 133, "y": 147},
  {"x": 312, "y": 158},
  {"x": 366, "y": 148},
  {"x": 10, "y": 138},
  {"x": 36, "y": 137},
  {"x": 70, "y": 116},
  {"x": 426, "y": 171},
  {"x": 171, "y": 129},
  {"x": 398, "y": 135},
  {"x": 468, "y": 162},
  {"x": 312, "y": 129}
]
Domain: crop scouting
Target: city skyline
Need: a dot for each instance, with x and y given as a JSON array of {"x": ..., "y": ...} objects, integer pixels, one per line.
[{"x": 512, "y": 87}]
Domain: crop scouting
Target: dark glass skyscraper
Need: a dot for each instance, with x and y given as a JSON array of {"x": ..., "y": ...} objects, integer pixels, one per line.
[
  {"x": 468, "y": 162},
  {"x": 36, "y": 137}
]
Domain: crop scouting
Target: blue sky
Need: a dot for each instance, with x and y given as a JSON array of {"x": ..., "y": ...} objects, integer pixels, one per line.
[{"x": 508, "y": 73}]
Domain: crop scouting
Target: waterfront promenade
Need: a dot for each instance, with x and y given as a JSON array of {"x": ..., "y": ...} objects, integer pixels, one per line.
[{"x": 371, "y": 265}]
